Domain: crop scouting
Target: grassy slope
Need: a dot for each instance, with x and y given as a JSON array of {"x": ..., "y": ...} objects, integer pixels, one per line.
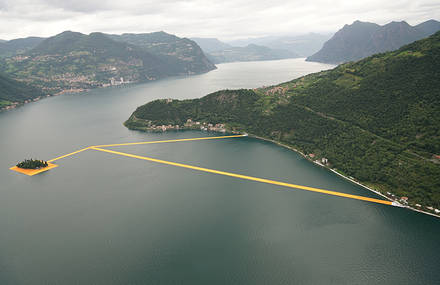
[{"x": 376, "y": 119}]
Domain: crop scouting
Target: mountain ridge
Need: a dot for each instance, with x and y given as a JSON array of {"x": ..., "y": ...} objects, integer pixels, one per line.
[{"x": 362, "y": 39}]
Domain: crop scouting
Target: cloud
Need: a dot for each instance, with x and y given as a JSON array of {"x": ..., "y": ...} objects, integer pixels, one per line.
[{"x": 227, "y": 19}]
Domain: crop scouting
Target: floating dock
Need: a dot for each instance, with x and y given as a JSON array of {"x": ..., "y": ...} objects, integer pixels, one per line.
[
  {"x": 101, "y": 148},
  {"x": 32, "y": 172}
]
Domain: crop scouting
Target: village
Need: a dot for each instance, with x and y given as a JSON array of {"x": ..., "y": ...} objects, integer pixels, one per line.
[{"x": 190, "y": 125}]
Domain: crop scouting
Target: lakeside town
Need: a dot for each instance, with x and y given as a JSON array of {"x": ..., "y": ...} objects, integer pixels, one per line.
[{"x": 189, "y": 125}]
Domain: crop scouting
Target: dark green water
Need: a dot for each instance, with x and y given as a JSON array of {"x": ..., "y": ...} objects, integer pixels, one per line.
[{"x": 105, "y": 219}]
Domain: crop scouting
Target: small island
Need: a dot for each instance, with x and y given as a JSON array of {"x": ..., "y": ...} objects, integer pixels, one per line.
[{"x": 32, "y": 164}]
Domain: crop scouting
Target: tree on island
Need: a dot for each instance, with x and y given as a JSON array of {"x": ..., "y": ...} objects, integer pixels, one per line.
[{"x": 32, "y": 164}]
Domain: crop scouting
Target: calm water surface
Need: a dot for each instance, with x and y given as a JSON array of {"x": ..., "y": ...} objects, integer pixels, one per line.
[{"x": 105, "y": 219}]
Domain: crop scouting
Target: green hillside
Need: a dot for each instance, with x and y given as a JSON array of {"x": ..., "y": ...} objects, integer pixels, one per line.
[
  {"x": 181, "y": 52},
  {"x": 74, "y": 61},
  {"x": 377, "y": 119}
]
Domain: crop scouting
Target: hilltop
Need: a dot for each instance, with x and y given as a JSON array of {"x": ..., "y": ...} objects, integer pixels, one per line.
[
  {"x": 362, "y": 39},
  {"x": 73, "y": 61},
  {"x": 376, "y": 119},
  {"x": 18, "y": 46},
  {"x": 183, "y": 53}
]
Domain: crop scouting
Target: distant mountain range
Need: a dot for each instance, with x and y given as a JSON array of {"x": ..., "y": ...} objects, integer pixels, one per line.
[
  {"x": 72, "y": 61},
  {"x": 263, "y": 48},
  {"x": 302, "y": 45},
  {"x": 220, "y": 52},
  {"x": 362, "y": 39},
  {"x": 250, "y": 52},
  {"x": 376, "y": 119},
  {"x": 209, "y": 45}
]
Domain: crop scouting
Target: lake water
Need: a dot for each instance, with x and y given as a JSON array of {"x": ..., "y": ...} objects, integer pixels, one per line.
[{"x": 105, "y": 219}]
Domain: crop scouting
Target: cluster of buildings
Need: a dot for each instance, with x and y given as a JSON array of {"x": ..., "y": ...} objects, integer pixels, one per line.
[
  {"x": 189, "y": 125},
  {"x": 320, "y": 161},
  {"x": 205, "y": 126}
]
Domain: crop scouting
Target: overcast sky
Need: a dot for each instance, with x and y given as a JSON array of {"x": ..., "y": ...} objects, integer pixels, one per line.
[{"x": 224, "y": 19}]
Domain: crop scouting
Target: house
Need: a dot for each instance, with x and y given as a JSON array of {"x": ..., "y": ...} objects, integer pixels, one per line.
[
  {"x": 404, "y": 199},
  {"x": 312, "y": 155}
]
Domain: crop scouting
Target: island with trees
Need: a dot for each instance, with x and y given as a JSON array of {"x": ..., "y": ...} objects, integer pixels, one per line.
[{"x": 32, "y": 164}]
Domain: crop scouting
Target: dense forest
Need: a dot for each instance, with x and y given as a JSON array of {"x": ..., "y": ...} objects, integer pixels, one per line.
[{"x": 377, "y": 119}]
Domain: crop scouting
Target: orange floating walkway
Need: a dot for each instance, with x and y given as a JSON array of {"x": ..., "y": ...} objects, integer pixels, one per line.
[
  {"x": 262, "y": 180},
  {"x": 32, "y": 172}
]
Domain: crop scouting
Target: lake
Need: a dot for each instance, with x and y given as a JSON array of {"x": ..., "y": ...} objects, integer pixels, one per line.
[{"x": 99, "y": 218}]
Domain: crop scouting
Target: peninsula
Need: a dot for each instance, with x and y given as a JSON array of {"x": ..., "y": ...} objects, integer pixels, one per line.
[{"x": 376, "y": 121}]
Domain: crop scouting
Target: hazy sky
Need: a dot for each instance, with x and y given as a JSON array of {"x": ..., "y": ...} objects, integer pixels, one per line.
[{"x": 224, "y": 19}]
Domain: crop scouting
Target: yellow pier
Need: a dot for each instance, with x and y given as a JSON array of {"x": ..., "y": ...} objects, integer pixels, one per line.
[
  {"x": 32, "y": 172},
  {"x": 262, "y": 180}
]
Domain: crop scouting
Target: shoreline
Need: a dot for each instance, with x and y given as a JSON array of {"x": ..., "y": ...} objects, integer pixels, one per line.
[
  {"x": 395, "y": 203},
  {"x": 84, "y": 90}
]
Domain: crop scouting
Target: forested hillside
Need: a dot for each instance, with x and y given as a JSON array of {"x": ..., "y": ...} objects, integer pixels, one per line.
[{"x": 377, "y": 119}]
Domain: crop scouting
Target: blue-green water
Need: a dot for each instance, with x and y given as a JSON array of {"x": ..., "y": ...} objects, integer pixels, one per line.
[{"x": 105, "y": 219}]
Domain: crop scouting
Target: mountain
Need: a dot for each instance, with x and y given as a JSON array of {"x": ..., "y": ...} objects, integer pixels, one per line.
[
  {"x": 13, "y": 92},
  {"x": 429, "y": 27},
  {"x": 303, "y": 45},
  {"x": 377, "y": 119},
  {"x": 72, "y": 61},
  {"x": 209, "y": 45},
  {"x": 219, "y": 52},
  {"x": 361, "y": 39},
  {"x": 182, "y": 52},
  {"x": 249, "y": 53},
  {"x": 18, "y": 46}
]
